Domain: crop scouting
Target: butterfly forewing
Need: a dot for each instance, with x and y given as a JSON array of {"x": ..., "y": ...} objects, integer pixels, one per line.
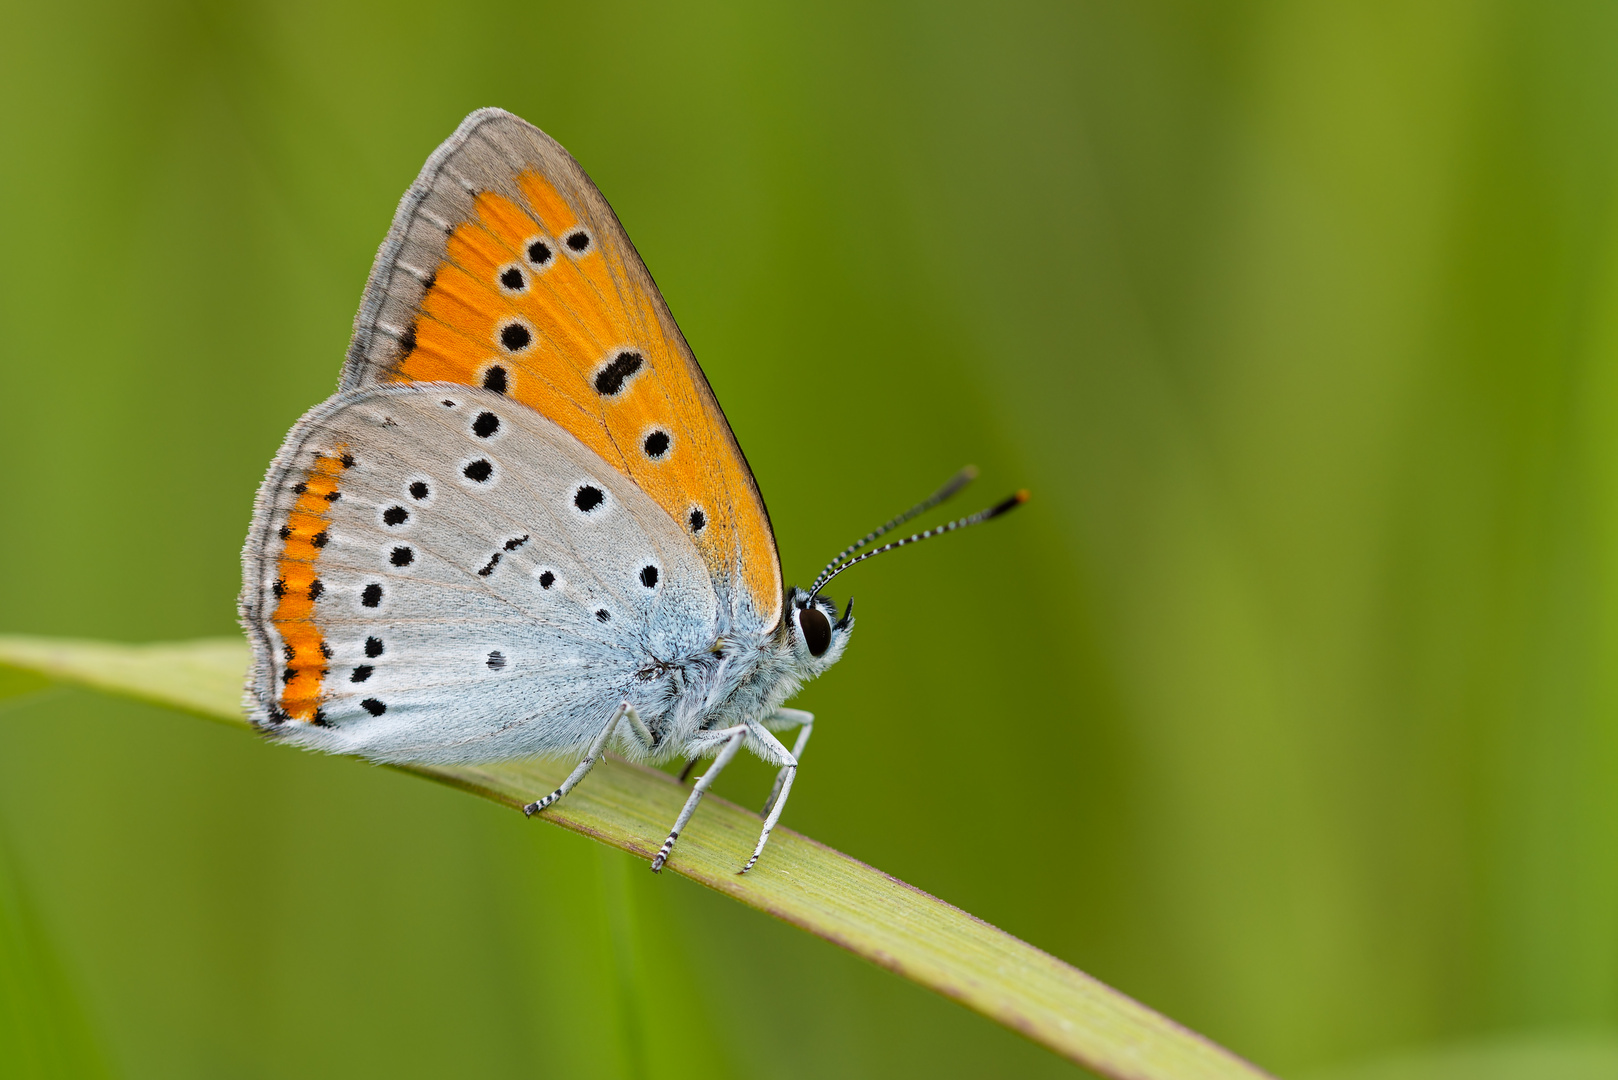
[
  {"x": 435, "y": 573},
  {"x": 506, "y": 269}
]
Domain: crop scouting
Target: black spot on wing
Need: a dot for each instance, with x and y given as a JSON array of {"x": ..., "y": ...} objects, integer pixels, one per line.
[
  {"x": 516, "y": 337},
  {"x": 610, "y": 379}
]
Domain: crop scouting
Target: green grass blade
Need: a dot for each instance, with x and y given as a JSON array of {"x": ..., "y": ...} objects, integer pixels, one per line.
[{"x": 800, "y": 881}]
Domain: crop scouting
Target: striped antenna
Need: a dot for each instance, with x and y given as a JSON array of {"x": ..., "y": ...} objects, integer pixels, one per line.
[
  {"x": 959, "y": 523},
  {"x": 954, "y": 484}
]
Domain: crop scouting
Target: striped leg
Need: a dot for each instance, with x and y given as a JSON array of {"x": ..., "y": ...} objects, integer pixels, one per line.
[
  {"x": 773, "y": 752},
  {"x": 598, "y": 746},
  {"x": 785, "y": 718},
  {"x": 733, "y": 739}
]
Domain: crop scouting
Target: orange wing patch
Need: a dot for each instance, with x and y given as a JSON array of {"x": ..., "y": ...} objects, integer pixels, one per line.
[
  {"x": 297, "y": 588},
  {"x": 530, "y": 302}
]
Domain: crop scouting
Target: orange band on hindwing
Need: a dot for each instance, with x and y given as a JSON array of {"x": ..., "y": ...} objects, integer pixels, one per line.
[{"x": 298, "y": 589}]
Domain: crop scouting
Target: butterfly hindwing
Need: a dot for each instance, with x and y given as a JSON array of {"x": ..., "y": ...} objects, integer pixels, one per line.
[
  {"x": 506, "y": 269},
  {"x": 420, "y": 553}
]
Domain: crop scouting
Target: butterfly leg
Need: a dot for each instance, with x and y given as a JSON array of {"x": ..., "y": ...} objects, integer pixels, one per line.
[
  {"x": 733, "y": 738},
  {"x": 598, "y": 746},
  {"x": 769, "y": 748},
  {"x": 785, "y": 718}
]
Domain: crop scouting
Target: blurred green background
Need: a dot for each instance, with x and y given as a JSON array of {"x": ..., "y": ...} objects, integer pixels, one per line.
[{"x": 1289, "y": 705}]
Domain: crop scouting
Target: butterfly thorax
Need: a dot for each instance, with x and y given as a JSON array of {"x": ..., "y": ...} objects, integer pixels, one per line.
[{"x": 742, "y": 676}]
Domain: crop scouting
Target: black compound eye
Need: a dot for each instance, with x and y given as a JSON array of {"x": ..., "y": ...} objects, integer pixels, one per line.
[{"x": 816, "y": 630}]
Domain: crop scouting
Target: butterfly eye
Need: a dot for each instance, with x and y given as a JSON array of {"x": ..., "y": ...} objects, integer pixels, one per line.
[{"x": 816, "y": 630}]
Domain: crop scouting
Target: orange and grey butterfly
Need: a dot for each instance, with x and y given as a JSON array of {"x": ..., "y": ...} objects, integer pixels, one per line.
[
  {"x": 505, "y": 268},
  {"x": 522, "y": 525}
]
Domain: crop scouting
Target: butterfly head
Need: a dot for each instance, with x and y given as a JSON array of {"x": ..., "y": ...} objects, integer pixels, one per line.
[{"x": 815, "y": 633}]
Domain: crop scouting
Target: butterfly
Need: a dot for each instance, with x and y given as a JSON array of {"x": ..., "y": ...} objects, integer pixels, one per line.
[{"x": 522, "y": 526}]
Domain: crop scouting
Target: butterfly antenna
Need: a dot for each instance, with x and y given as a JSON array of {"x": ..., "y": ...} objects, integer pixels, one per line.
[
  {"x": 954, "y": 484},
  {"x": 959, "y": 523}
]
